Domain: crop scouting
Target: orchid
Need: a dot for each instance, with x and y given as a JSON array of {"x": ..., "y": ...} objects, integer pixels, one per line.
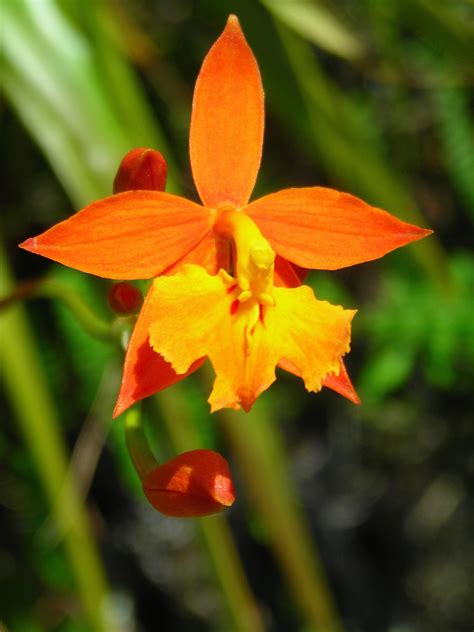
[{"x": 226, "y": 284}]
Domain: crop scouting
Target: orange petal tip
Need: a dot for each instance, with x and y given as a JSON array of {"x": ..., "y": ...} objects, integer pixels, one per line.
[
  {"x": 193, "y": 484},
  {"x": 233, "y": 21},
  {"x": 28, "y": 244},
  {"x": 342, "y": 384}
]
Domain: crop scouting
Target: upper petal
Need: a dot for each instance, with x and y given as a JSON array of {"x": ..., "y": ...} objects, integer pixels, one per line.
[
  {"x": 227, "y": 121},
  {"x": 324, "y": 229},
  {"x": 145, "y": 372},
  {"x": 132, "y": 235}
]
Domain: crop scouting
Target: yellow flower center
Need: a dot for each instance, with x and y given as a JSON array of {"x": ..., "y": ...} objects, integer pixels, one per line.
[
  {"x": 254, "y": 262},
  {"x": 254, "y": 257}
]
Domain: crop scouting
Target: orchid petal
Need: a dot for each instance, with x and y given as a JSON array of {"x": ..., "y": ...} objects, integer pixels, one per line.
[
  {"x": 340, "y": 383},
  {"x": 145, "y": 372},
  {"x": 324, "y": 229},
  {"x": 131, "y": 235},
  {"x": 227, "y": 121}
]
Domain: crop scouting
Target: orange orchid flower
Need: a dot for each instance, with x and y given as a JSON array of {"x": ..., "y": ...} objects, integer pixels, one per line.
[{"x": 227, "y": 286}]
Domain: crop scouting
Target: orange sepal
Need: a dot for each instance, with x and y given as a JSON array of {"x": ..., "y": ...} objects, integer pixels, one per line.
[
  {"x": 326, "y": 230},
  {"x": 227, "y": 121},
  {"x": 196, "y": 483},
  {"x": 145, "y": 372},
  {"x": 132, "y": 235},
  {"x": 341, "y": 383}
]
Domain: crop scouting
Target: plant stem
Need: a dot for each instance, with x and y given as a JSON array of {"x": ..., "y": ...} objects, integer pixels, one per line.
[
  {"x": 50, "y": 288},
  {"x": 215, "y": 530},
  {"x": 137, "y": 444},
  {"x": 89, "y": 321}
]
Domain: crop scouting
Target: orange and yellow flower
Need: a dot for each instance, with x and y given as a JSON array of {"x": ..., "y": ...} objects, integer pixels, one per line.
[{"x": 226, "y": 283}]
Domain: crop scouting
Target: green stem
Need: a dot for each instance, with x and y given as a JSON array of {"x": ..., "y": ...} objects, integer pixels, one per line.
[
  {"x": 215, "y": 530},
  {"x": 89, "y": 321},
  {"x": 51, "y": 288},
  {"x": 137, "y": 444},
  {"x": 259, "y": 448},
  {"x": 29, "y": 397}
]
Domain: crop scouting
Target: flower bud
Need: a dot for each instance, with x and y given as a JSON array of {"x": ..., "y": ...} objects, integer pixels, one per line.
[
  {"x": 196, "y": 483},
  {"x": 124, "y": 298},
  {"x": 143, "y": 169}
]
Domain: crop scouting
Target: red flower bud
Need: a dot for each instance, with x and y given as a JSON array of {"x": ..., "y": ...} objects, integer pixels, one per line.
[
  {"x": 196, "y": 483},
  {"x": 143, "y": 169},
  {"x": 124, "y": 298}
]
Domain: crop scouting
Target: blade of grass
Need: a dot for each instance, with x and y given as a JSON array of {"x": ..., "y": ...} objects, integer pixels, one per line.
[
  {"x": 31, "y": 401},
  {"x": 55, "y": 140},
  {"x": 257, "y": 442},
  {"x": 317, "y": 24},
  {"x": 77, "y": 95},
  {"x": 456, "y": 133}
]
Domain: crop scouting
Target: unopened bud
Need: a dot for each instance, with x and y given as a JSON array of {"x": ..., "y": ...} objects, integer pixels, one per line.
[
  {"x": 124, "y": 298},
  {"x": 143, "y": 169},
  {"x": 196, "y": 483}
]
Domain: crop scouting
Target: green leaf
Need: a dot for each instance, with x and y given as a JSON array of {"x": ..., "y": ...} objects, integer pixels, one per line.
[{"x": 318, "y": 25}]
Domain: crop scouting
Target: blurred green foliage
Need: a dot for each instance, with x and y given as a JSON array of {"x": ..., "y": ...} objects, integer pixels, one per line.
[{"x": 372, "y": 97}]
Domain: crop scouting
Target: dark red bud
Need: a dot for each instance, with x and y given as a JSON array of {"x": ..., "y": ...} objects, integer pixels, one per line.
[
  {"x": 124, "y": 298},
  {"x": 196, "y": 483},
  {"x": 143, "y": 169}
]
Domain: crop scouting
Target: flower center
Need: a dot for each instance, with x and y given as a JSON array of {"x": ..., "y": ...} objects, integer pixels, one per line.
[
  {"x": 254, "y": 258},
  {"x": 253, "y": 267}
]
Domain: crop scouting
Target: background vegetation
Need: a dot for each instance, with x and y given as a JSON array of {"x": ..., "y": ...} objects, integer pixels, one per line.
[{"x": 371, "y": 97}]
